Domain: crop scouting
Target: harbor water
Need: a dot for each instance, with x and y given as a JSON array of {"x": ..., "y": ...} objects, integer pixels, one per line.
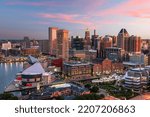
[{"x": 8, "y": 73}]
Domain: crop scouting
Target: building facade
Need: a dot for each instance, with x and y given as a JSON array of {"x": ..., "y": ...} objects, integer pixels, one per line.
[
  {"x": 52, "y": 31},
  {"x": 134, "y": 44},
  {"x": 77, "y": 71},
  {"x": 63, "y": 44},
  {"x": 77, "y": 43},
  {"x": 137, "y": 79},
  {"x": 107, "y": 67},
  {"x": 123, "y": 35}
]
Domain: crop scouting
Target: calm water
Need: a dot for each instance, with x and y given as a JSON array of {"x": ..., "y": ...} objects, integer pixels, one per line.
[{"x": 8, "y": 73}]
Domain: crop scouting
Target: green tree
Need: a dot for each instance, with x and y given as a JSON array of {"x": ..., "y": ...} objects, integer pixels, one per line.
[
  {"x": 88, "y": 97},
  {"x": 8, "y": 96},
  {"x": 88, "y": 86},
  {"x": 94, "y": 89}
]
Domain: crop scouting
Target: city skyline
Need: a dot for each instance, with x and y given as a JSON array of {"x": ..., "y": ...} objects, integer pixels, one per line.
[{"x": 32, "y": 18}]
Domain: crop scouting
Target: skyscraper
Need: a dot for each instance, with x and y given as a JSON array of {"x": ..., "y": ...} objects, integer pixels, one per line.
[
  {"x": 87, "y": 42},
  {"x": 77, "y": 43},
  {"x": 122, "y": 36},
  {"x": 52, "y": 40},
  {"x": 95, "y": 40},
  {"x": 62, "y": 44},
  {"x": 134, "y": 44}
]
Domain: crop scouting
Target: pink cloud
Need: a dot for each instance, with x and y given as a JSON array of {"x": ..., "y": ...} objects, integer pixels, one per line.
[
  {"x": 133, "y": 8},
  {"x": 70, "y": 18}
]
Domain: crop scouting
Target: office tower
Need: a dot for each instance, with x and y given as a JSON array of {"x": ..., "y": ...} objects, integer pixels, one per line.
[
  {"x": 43, "y": 46},
  {"x": 122, "y": 36},
  {"x": 105, "y": 42},
  {"x": 87, "y": 42},
  {"x": 114, "y": 38},
  {"x": 94, "y": 39},
  {"x": 134, "y": 44},
  {"x": 77, "y": 43},
  {"x": 63, "y": 44},
  {"x": 52, "y": 40},
  {"x": 26, "y": 42}
]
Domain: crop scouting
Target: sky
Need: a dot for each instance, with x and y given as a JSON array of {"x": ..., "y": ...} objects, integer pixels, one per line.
[{"x": 19, "y": 18}]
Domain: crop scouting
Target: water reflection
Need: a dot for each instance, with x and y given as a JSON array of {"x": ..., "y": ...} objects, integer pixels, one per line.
[{"x": 8, "y": 72}]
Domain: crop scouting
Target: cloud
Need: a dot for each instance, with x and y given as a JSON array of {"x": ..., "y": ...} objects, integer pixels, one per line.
[
  {"x": 70, "y": 18},
  {"x": 132, "y": 8}
]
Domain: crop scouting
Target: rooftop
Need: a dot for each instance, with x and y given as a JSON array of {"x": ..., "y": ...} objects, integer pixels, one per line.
[
  {"x": 36, "y": 68},
  {"x": 77, "y": 63}
]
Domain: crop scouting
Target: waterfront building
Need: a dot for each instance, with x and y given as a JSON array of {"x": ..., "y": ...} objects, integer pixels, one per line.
[
  {"x": 74, "y": 71},
  {"x": 137, "y": 79},
  {"x": 33, "y": 74},
  {"x": 31, "y": 51},
  {"x": 6, "y": 46}
]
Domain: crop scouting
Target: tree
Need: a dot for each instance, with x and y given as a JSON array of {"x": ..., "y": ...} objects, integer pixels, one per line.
[
  {"x": 8, "y": 96},
  {"x": 88, "y": 86},
  {"x": 88, "y": 97},
  {"x": 94, "y": 89}
]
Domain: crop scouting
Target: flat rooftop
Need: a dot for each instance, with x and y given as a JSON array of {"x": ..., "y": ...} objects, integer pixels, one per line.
[{"x": 77, "y": 63}]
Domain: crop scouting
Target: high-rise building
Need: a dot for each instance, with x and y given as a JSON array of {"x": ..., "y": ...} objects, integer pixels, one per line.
[
  {"x": 52, "y": 40},
  {"x": 87, "y": 42},
  {"x": 26, "y": 42},
  {"x": 122, "y": 36},
  {"x": 94, "y": 39},
  {"x": 105, "y": 42},
  {"x": 134, "y": 44},
  {"x": 43, "y": 46},
  {"x": 77, "y": 43},
  {"x": 62, "y": 44},
  {"x": 114, "y": 41}
]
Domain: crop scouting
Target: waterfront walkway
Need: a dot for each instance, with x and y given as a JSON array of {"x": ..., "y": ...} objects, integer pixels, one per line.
[{"x": 12, "y": 86}]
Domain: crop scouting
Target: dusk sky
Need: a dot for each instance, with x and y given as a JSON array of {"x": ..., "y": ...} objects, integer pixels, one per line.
[{"x": 19, "y": 18}]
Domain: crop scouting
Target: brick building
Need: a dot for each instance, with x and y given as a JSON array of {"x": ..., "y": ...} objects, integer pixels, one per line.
[{"x": 107, "y": 67}]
